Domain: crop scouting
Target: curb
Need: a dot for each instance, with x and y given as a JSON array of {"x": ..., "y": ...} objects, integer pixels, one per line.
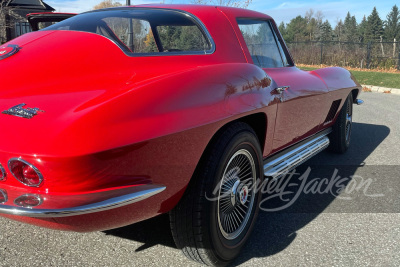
[{"x": 382, "y": 89}]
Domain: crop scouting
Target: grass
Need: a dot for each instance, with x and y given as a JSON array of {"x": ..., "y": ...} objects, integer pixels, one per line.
[{"x": 378, "y": 78}]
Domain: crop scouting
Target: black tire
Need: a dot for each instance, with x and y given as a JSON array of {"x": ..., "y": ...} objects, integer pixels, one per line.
[
  {"x": 341, "y": 130},
  {"x": 197, "y": 222}
]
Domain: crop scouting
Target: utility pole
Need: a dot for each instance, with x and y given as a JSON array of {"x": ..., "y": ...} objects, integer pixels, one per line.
[{"x": 130, "y": 42}]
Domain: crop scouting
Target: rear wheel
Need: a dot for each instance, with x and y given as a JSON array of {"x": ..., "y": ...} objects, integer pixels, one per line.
[
  {"x": 341, "y": 132},
  {"x": 214, "y": 219}
]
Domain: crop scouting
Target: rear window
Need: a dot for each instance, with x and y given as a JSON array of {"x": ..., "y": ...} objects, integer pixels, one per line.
[{"x": 144, "y": 31}]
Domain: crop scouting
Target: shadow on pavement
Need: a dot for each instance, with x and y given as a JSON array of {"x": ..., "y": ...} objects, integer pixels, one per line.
[
  {"x": 151, "y": 232},
  {"x": 274, "y": 231}
]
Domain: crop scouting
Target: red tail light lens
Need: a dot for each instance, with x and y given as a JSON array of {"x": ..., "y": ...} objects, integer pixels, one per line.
[{"x": 25, "y": 172}]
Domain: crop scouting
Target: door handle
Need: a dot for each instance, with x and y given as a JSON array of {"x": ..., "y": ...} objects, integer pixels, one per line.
[{"x": 282, "y": 89}]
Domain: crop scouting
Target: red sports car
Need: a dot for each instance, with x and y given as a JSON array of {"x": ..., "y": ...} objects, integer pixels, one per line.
[{"x": 131, "y": 112}]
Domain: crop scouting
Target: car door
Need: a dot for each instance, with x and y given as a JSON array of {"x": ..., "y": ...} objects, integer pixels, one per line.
[{"x": 303, "y": 95}]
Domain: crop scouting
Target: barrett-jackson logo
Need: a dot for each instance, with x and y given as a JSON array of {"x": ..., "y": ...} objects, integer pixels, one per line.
[
  {"x": 20, "y": 111},
  {"x": 8, "y": 51}
]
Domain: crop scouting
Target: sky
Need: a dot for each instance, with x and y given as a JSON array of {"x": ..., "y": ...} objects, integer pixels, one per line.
[{"x": 333, "y": 10}]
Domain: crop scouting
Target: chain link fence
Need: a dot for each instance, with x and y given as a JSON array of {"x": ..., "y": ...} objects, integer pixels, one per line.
[{"x": 371, "y": 55}]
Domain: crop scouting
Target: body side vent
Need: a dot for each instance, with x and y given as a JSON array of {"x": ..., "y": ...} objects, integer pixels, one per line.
[{"x": 332, "y": 111}]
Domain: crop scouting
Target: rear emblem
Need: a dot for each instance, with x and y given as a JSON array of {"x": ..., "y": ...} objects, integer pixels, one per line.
[
  {"x": 20, "y": 111},
  {"x": 8, "y": 51}
]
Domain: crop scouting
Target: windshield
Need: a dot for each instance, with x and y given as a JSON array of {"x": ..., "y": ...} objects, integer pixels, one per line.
[{"x": 144, "y": 31}]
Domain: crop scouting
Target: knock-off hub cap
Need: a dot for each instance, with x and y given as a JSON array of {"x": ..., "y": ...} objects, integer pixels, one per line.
[{"x": 243, "y": 194}]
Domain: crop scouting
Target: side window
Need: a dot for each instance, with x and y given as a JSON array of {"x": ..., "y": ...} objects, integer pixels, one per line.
[
  {"x": 140, "y": 31},
  {"x": 142, "y": 37},
  {"x": 261, "y": 42},
  {"x": 182, "y": 38}
]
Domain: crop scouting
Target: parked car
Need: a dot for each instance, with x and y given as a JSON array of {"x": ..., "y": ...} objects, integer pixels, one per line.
[
  {"x": 39, "y": 21},
  {"x": 131, "y": 112}
]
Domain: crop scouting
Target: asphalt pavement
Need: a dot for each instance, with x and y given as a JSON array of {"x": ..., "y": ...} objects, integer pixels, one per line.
[{"x": 356, "y": 223}]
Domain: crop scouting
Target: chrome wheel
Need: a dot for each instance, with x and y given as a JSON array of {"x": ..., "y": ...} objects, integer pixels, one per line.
[
  {"x": 349, "y": 120},
  {"x": 236, "y": 197},
  {"x": 220, "y": 198}
]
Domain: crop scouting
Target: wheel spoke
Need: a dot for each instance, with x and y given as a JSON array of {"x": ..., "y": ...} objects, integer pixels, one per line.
[{"x": 238, "y": 177}]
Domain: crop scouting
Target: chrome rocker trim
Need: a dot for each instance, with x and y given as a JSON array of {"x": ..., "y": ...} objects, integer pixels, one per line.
[
  {"x": 145, "y": 191},
  {"x": 282, "y": 163}
]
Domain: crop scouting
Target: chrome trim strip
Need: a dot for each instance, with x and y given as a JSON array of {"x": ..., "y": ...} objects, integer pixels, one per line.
[
  {"x": 359, "y": 101},
  {"x": 112, "y": 203},
  {"x": 279, "y": 166},
  {"x": 30, "y": 165}
]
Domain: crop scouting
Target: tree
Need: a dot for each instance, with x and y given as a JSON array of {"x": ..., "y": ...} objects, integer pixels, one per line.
[
  {"x": 374, "y": 29},
  {"x": 6, "y": 15},
  {"x": 107, "y": 3},
  {"x": 325, "y": 31},
  {"x": 282, "y": 28},
  {"x": 338, "y": 31},
  {"x": 3, "y": 25},
  {"x": 362, "y": 29},
  {"x": 150, "y": 43},
  {"x": 392, "y": 24},
  {"x": 233, "y": 3},
  {"x": 296, "y": 30},
  {"x": 350, "y": 33},
  {"x": 314, "y": 21}
]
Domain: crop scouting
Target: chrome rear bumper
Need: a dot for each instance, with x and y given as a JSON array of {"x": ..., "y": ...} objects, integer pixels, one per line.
[{"x": 51, "y": 206}]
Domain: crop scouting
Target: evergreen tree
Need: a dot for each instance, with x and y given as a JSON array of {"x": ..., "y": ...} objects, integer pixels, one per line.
[
  {"x": 282, "y": 29},
  {"x": 350, "y": 33},
  {"x": 362, "y": 28},
  {"x": 350, "y": 29},
  {"x": 338, "y": 31},
  {"x": 392, "y": 25},
  {"x": 296, "y": 30},
  {"x": 325, "y": 31},
  {"x": 374, "y": 29}
]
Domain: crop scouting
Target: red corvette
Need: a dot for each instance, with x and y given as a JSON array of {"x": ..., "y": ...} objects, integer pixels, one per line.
[{"x": 127, "y": 113}]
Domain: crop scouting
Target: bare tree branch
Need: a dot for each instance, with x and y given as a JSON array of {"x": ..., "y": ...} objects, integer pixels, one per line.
[
  {"x": 106, "y": 4},
  {"x": 4, "y": 23}
]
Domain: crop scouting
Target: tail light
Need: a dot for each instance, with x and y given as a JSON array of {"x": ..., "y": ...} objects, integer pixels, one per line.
[
  {"x": 25, "y": 172},
  {"x": 28, "y": 201},
  {"x": 3, "y": 173}
]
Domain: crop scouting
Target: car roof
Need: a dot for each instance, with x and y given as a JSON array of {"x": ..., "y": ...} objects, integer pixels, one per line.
[{"x": 194, "y": 9}]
